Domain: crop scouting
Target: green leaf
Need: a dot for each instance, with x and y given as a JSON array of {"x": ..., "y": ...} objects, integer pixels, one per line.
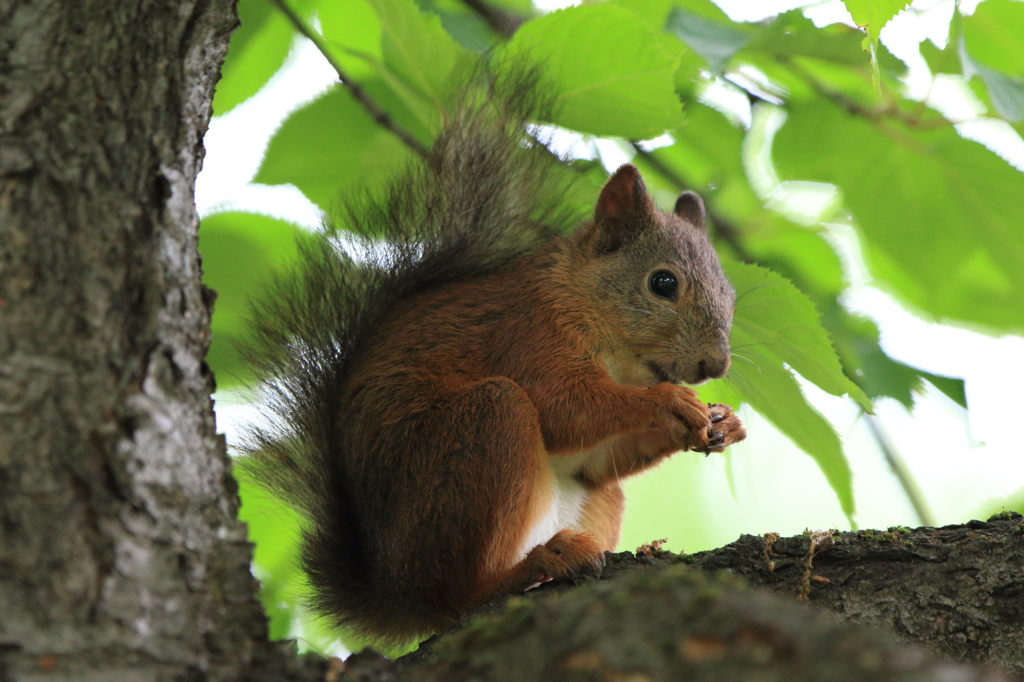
[
  {"x": 274, "y": 529},
  {"x": 256, "y": 51},
  {"x": 872, "y": 16},
  {"x": 657, "y": 11},
  {"x": 332, "y": 144},
  {"x": 609, "y": 69},
  {"x": 717, "y": 42},
  {"x": 350, "y": 28},
  {"x": 781, "y": 323},
  {"x": 989, "y": 47},
  {"x": 353, "y": 32},
  {"x": 705, "y": 157},
  {"x": 469, "y": 28},
  {"x": 1004, "y": 89},
  {"x": 775, "y": 326},
  {"x": 799, "y": 254},
  {"x": 1006, "y": 92},
  {"x": 654, "y": 13},
  {"x": 953, "y": 388},
  {"x": 994, "y": 35},
  {"x": 946, "y": 60},
  {"x": 706, "y": 150},
  {"x": 240, "y": 251},
  {"x": 772, "y": 390},
  {"x": 935, "y": 209},
  {"x": 856, "y": 340},
  {"x": 792, "y": 34},
  {"x": 417, "y": 48},
  {"x": 802, "y": 255}
]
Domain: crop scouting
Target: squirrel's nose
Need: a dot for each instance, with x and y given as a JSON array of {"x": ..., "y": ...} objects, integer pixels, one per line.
[{"x": 714, "y": 368}]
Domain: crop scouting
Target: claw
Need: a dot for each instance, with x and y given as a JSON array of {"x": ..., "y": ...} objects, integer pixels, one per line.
[{"x": 543, "y": 579}]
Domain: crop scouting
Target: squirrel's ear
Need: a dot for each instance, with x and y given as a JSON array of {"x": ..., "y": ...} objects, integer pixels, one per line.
[
  {"x": 621, "y": 209},
  {"x": 690, "y": 208}
]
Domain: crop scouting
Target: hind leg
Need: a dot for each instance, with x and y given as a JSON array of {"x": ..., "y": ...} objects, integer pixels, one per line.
[
  {"x": 573, "y": 554},
  {"x": 568, "y": 555},
  {"x": 480, "y": 483},
  {"x": 515, "y": 463}
]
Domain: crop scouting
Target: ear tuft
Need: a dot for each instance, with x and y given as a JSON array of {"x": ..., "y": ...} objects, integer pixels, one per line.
[
  {"x": 621, "y": 208},
  {"x": 619, "y": 196},
  {"x": 690, "y": 208}
]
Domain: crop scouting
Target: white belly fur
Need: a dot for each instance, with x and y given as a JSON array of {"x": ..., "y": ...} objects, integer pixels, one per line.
[{"x": 564, "y": 513}]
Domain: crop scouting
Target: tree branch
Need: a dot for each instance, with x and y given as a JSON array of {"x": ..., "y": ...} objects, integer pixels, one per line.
[
  {"x": 956, "y": 591},
  {"x": 857, "y": 109},
  {"x": 371, "y": 107}
]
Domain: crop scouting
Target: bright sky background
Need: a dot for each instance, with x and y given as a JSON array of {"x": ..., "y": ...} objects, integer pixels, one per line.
[{"x": 961, "y": 461}]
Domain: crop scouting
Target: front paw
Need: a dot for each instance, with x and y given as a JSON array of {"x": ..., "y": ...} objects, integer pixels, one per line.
[
  {"x": 683, "y": 417},
  {"x": 725, "y": 429}
]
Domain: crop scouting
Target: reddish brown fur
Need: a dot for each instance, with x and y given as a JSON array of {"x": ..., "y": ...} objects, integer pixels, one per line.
[{"x": 468, "y": 397}]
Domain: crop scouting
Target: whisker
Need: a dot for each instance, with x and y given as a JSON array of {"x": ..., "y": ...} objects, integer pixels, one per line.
[
  {"x": 747, "y": 385},
  {"x": 765, "y": 343},
  {"x": 740, "y": 384},
  {"x": 737, "y": 355},
  {"x": 760, "y": 355}
]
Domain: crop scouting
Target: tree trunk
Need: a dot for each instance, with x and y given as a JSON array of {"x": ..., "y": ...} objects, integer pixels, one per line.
[{"x": 120, "y": 552}]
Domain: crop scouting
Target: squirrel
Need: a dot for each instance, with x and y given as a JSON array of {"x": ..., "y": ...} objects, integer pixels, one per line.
[{"x": 453, "y": 408}]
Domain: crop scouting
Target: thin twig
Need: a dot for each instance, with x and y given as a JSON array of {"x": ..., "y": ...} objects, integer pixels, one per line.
[
  {"x": 501, "y": 20},
  {"x": 375, "y": 112},
  {"x": 899, "y": 469},
  {"x": 854, "y": 107}
]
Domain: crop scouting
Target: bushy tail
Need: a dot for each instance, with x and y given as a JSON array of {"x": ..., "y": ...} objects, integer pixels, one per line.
[{"x": 487, "y": 193}]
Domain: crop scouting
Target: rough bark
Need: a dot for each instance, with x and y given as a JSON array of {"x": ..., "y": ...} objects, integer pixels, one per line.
[
  {"x": 958, "y": 591},
  {"x": 120, "y": 552}
]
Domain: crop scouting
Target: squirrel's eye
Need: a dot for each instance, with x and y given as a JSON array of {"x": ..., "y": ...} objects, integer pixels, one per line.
[{"x": 664, "y": 284}]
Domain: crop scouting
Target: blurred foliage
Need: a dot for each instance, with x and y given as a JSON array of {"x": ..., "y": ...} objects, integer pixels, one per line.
[
  {"x": 239, "y": 251},
  {"x": 940, "y": 218}
]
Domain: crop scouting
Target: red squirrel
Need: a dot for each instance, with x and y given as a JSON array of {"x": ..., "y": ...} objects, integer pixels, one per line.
[{"x": 453, "y": 410}]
